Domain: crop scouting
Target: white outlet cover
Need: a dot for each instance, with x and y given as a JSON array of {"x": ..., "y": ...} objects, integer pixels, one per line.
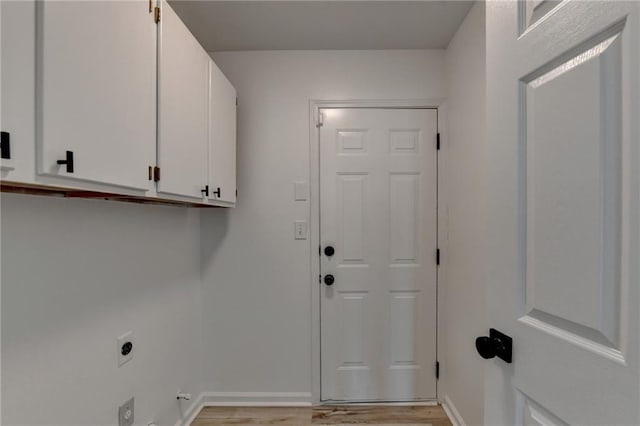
[
  {"x": 126, "y": 337},
  {"x": 300, "y": 229}
]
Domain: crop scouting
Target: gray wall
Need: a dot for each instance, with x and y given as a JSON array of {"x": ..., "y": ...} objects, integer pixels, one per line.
[
  {"x": 257, "y": 282},
  {"x": 76, "y": 274},
  {"x": 463, "y": 307}
]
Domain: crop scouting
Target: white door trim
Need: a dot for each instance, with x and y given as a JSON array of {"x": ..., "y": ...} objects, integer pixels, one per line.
[{"x": 314, "y": 214}]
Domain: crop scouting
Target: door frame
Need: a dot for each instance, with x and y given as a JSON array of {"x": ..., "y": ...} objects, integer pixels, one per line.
[{"x": 314, "y": 218}]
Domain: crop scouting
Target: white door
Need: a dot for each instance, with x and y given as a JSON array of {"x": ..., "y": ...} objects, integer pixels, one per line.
[
  {"x": 222, "y": 137},
  {"x": 96, "y": 97},
  {"x": 183, "y": 109},
  {"x": 563, "y": 160},
  {"x": 379, "y": 214}
]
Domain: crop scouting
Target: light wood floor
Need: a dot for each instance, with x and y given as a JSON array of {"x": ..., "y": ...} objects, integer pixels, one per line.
[{"x": 335, "y": 415}]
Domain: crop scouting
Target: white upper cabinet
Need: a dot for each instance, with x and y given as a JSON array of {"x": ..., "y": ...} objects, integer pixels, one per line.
[
  {"x": 222, "y": 138},
  {"x": 96, "y": 91},
  {"x": 183, "y": 108}
]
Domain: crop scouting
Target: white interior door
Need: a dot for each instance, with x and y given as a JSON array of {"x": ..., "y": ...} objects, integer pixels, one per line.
[
  {"x": 379, "y": 213},
  {"x": 183, "y": 137},
  {"x": 563, "y": 226},
  {"x": 96, "y": 99}
]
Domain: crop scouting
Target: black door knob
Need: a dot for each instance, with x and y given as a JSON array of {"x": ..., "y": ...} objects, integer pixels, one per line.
[
  {"x": 329, "y": 251},
  {"x": 496, "y": 344},
  {"x": 329, "y": 279},
  {"x": 485, "y": 347}
]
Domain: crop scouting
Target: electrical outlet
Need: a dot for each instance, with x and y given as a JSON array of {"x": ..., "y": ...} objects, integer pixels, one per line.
[
  {"x": 126, "y": 414},
  {"x": 125, "y": 348},
  {"x": 300, "y": 229}
]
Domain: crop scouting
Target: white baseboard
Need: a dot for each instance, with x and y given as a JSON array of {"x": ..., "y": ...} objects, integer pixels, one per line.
[
  {"x": 452, "y": 412},
  {"x": 245, "y": 399},
  {"x": 257, "y": 399},
  {"x": 192, "y": 412}
]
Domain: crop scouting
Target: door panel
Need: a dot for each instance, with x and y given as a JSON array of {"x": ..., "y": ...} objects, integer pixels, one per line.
[
  {"x": 222, "y": 134},
  {"x": 563, "y": 211},
  {"x": 183, "y": 136},
  {"x": 378, "y": 209},
  {"x": 96, "y": 72}
]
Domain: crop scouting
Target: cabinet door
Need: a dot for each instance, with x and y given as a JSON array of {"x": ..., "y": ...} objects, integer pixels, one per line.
[
  {"x": 222, "y": 148},
  {"x": 183, "y": 109},
  {"x": 96, "y": 91}
]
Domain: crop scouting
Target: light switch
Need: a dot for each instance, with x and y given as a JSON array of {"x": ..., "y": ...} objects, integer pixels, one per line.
[
  {"x": 301, "y": 190},
  {"x": 300, "y": 229}
]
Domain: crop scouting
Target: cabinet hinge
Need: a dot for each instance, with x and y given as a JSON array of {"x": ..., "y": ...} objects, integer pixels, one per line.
[
  {"x": 320, "y": 122},
  {"x": 438, "y": 141},
  {"x": 5, "y": 145},
  {"x": 437, "y": 256},
  {"x": 156, "y": 174},
  {"x": 437, "y": 370},
  {"x": 320, "y": 278},
  {"x": 156, "y": 14}
]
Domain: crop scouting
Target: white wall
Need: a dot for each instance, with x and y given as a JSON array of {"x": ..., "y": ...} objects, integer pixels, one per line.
[
  {"x": 76, "y": 274},
  {"x": 463, "y": 291},
  {"x": 256, "y": 277}
]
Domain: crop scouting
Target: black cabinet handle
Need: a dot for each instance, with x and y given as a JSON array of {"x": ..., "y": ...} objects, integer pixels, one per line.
[
  {"x": 329, "y": 279},
  {"x": 329, "y": 251},
  {"x": 205, "y": 191},
  {"x": 496, "y": 344},
  {"x": 217, "y": 192},
  {"x": 5, "y": 145},
  {"x": 68, "y": 161}
]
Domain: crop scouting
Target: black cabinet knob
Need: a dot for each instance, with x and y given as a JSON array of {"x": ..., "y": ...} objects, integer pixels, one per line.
[
  {"x": 329, "y": 251},
  {"x": 496, "y": 344},
  {"x": 329, "y": 279}
]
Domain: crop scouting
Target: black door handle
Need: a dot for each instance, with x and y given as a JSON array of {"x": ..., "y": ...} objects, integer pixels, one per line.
[
  {"x": 329, "y": 279},
  {"x": 496, "y": 344},
  {"x": 329, "y": 251}
]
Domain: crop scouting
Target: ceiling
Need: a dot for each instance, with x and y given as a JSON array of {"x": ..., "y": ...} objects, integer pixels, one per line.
[{"x": 311, "y": 25}]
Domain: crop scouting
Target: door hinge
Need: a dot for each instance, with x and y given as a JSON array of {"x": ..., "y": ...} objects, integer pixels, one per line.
[
  {"x": 5, "y": 145},
  {"x": 437, "y": 370},
  {"x": 156, "y": 14},
  {"x": 156, "y": 174},
  {"x": 438, "y": 141},
  {"x": 320, "y": 122},
  {"x": 437, "y": 256}
]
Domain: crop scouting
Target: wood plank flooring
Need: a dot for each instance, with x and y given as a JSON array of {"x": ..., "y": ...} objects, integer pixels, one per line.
[{"x": 335, "y": 415}]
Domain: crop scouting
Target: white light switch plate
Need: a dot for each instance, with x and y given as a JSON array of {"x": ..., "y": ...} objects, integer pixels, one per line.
[
  {"x": 300, "y": 229},
  {"x": 301, "y": 190}
]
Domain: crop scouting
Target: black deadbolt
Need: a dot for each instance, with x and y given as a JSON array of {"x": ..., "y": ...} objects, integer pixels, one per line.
[
  {"x": 329, "y": 251},
  {"x": 329, "y": 279},
  {"x": 126, "y": 348},
  {"x": 496, "y": 344}
]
